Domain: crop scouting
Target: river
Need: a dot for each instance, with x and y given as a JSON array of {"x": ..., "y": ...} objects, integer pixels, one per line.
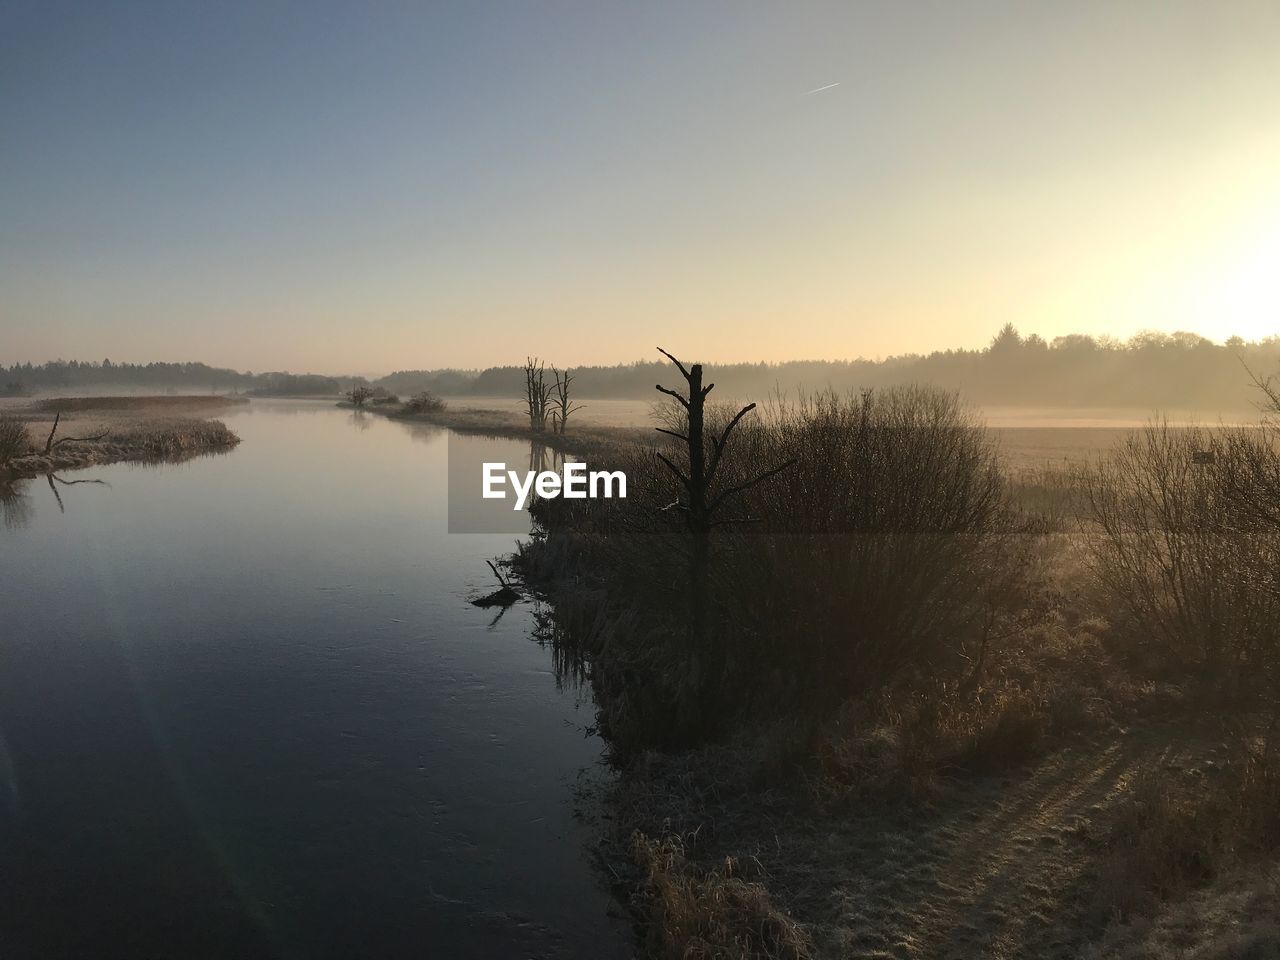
[{"x": 246, "y": 709}]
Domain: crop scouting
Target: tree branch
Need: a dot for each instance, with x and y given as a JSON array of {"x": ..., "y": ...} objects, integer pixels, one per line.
[
  {"x": 676, "y": 362},
  {"x": 717, "y": 445},
  {"x": 671, "y": 393},
  {"x": 732, "y": 491},
  {"x": 676, "y": 470}
]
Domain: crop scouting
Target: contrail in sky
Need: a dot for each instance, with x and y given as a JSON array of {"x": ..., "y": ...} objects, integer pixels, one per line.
[{"x": 820, "y": 89}]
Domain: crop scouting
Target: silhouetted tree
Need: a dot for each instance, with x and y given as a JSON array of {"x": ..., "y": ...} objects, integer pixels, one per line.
[
  {"x": 50, "y": 444},
  {"x": 537, "y": 393},
  {"x": 701, "y": 502},
  {"x": 563, "y": 406}
]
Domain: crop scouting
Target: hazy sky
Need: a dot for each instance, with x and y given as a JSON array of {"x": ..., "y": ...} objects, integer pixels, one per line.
[{"x": 371, "y": 186}]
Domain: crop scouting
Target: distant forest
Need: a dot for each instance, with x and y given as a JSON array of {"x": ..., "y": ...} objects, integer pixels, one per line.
[
  {"x": 1178, "y": 371},
  {"x": 22, "y": 379}
]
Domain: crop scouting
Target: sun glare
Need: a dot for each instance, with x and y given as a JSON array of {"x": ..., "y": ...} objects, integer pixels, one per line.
[{"x": 1239, "y": 291}]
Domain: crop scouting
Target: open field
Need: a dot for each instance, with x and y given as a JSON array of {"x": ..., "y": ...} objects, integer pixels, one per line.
[
  {"x": 1030, "y": 438},
  {"x": 1027, "y": 437}
]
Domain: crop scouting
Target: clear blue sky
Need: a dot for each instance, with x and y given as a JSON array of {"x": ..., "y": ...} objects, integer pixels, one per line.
[{"x": 369, "y": 186}]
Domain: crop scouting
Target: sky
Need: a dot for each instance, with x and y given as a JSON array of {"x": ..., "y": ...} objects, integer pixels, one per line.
[{"x": 363, "y": 187}]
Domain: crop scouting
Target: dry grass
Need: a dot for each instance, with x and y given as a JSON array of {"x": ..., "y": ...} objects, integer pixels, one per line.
[
  {"x": 13, "y": 439},
  {"x": 1237, "y": 917},
  {"x": 172, "y": 437},
  {"x": 902, "y": 744},
  {"x": 1182, "y": 826},
  {"x": 715, "y": 914},
  {"x": 166, "y": 404},
  {"x": 143, "y": 439},
  {"x": 1006, "y": 866}
]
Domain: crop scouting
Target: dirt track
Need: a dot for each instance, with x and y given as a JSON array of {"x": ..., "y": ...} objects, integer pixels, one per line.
[{"x": 1000, "y": 867}]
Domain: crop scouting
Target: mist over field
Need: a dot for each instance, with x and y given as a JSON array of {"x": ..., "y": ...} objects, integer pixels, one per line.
[
  {"x": 640, "y": 481},
  {"x": 1180, "y": 372}
]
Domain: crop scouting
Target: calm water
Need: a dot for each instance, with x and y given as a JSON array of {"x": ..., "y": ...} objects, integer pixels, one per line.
[{"x": 246, "y": 710}]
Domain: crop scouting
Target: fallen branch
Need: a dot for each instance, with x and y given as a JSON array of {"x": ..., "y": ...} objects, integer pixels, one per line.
[
  {"x": 504, "y": 596},
  {"x": 50, "y": 445}
]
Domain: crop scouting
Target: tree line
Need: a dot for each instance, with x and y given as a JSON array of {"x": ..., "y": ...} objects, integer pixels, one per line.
[
  {"x": 1172, "y": 371},
  {"x": 1179, "y": 370},
  {"x": 21, "y": 379}
]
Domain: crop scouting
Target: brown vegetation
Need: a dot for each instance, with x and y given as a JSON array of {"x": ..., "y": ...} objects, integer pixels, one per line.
[
  {"x": 358, "y": 396},
  {"x": 916, "y": 656},
  {"x": 110, "y": 437},
  {"x": 424, "y": 403},
  {"x": 13, "y": 440},
  {"x": 148, "y": 405},
  {"x": 712, "y": 914}
]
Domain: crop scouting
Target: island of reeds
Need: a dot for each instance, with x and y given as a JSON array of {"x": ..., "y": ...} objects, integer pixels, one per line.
[{"x": 67, "y": 433}]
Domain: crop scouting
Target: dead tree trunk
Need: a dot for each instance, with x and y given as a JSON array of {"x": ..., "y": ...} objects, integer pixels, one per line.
[
  {"x": 563, "y": 405},
  {"x": 537, "y": 393},
  {"x": 700, "y": 501},
  {"x": 50, "y": 444}
]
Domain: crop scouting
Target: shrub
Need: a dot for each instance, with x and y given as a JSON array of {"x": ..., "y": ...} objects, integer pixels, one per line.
[
  {"x": 887, "y": 549},
  {"x": 1192, "y": 572},
  {"x": 886, "y": 546},
  {"x": 424, "y": 402},
  {"x": 357, "y": 396},
  {"x": 1173, "y": 832},
  {"x": 13, "y": 439}
]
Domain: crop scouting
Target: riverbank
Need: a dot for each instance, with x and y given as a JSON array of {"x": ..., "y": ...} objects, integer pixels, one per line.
[
  {"x": 1064, "y": 808},
  {"x": 587, "y": 441},
  {"x": 798, "y": 777},
  {"x": 70, "y": 433}
]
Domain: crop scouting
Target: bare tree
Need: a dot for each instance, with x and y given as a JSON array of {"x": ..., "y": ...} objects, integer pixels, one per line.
[
  {"x": 562, "y": 405},
  {"x": 700, "y": 501},
  {"x": 537, "y": 393},
  {"x": 1269, "y": 389}
]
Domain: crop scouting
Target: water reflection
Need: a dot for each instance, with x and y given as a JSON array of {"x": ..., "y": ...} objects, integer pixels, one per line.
[
  {"x": 15, "y": 504},
  {"x": 302, "y": 739},
  {"x": 567, "y": 651},
  {"x": 55, "y": 480},
  {"x": 543, "y": 458}
]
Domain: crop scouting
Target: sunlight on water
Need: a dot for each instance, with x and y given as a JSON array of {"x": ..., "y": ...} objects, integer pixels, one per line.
[{"x": 247, "y": 695}]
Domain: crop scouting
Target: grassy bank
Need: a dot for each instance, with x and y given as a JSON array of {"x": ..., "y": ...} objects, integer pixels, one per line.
[
  {"x": 588, "y": 441},
  {"x": 145, "y": 406},
  {"x": 938, "y": 708},
  {"x": 73, "y": 432}
]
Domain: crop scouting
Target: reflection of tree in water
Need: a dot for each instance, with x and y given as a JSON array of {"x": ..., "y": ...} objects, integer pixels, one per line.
[
  {"x": 360, "y": 420},
  {"x": 15, "y": 505},
  {"x": 54, "y": 479},
  {"x": 567, "y": 657},
  {"x": 542, "y": 458},
  {"x": 424, "y": 432}
]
